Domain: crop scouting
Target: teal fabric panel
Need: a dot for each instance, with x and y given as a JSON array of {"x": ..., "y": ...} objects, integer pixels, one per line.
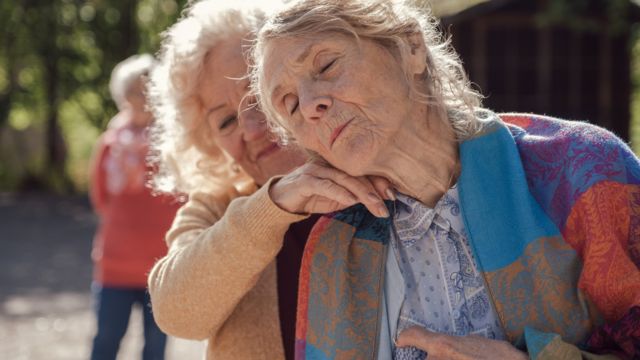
[
  {"x": 537, "y": 341},
  {"x": 501, "y": 215}
]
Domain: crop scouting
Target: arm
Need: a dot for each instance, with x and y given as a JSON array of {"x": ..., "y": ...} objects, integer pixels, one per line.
[
  {"x": 214, "y": 260},
  {"x": 97, "y": 177},
  {"x": 603, "y": 226}
]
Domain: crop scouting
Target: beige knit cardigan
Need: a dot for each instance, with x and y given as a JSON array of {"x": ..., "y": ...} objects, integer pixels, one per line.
[{"x": 218, "y": 280}]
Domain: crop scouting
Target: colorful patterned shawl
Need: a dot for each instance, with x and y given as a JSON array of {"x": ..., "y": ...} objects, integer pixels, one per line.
[{"x": 562, "y": 265}]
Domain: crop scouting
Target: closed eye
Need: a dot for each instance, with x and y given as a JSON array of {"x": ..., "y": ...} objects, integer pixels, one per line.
[
  {"x": 295, "y": 107},
  {"x": 328, "y": 66},
  {"x": 227, "y": 122},
  {"x": 290, "y": 103}
]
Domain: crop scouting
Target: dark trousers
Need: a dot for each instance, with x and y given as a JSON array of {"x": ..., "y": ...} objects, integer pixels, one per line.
[{"x": 113, "y": 308}]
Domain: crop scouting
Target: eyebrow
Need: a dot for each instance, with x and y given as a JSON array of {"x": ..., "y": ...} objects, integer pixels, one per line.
[{"x": 215, "y": 108}]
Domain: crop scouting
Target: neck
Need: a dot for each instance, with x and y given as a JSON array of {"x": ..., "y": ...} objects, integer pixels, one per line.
[{"x": 422, "y": 159}]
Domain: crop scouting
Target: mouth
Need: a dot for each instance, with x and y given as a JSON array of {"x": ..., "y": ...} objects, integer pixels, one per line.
[
  {"x": 337, "y": 131},
  {"x": 268, "y": 150}
]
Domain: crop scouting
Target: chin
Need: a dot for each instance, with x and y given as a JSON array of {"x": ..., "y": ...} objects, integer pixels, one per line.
[{"x": 355, "y": 156}]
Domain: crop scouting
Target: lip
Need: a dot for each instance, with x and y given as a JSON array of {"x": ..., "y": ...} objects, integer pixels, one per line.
[
  {"x": 268, "y": 150},
  {"x": 337, "y": 131}
]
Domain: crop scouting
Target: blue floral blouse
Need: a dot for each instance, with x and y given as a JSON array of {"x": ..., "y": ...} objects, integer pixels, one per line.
[{"x": 444, "y": 292}]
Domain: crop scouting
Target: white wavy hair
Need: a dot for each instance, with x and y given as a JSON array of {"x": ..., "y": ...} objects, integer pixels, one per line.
[
  {"x": 183, "y": 150},
  {"x": 125, "y": 74},
  {"x": 390, "y": 24}
]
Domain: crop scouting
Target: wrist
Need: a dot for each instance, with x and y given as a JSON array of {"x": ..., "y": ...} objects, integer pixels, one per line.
[{"x": 277, "y": 195}]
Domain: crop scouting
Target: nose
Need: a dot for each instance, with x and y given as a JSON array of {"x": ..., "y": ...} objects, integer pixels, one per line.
[
  {"x": 253, "y": 123},
  {"x": 314, "y": 105}
]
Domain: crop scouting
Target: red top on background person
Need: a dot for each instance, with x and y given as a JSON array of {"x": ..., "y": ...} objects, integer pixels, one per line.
[{"x": 133, "y": 222}]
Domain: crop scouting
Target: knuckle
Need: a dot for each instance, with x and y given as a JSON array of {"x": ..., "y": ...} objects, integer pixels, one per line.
[
  {"x": 328, "y": 184},
  {"x": 343, "y": 177}
]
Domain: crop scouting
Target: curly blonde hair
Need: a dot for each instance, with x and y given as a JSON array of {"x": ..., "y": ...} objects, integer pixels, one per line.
[
  {"x": 390, "y": 24},
  {"x": 183, "y": 151}
]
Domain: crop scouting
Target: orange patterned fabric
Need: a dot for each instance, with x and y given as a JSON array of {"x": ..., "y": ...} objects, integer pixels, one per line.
[
  {"x": 598, "y": 229},
  {"x": 520, "y": 120}
]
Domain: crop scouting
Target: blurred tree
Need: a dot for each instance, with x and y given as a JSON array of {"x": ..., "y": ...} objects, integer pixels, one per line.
[
  {"x": 56, "y": 57},
  {"x": 574, "y": 13}
]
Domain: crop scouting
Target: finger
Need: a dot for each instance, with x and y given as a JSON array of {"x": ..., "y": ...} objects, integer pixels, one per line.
[
  {"x": 363, "y": 190},
  {"x": 383, "y": 187},
  {"x": 322, "y": 205},
  {"x": 438, "y": 346},
  {"x": 329, "y": 190},
  {"x": 373, "y": 199}
]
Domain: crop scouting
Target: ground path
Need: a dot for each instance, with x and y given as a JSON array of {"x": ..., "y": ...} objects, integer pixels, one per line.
[{"x": 45, "y": 302}]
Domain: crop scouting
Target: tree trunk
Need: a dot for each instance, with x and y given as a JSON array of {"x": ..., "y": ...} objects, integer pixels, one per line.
[{"x": 56, "y": 154}]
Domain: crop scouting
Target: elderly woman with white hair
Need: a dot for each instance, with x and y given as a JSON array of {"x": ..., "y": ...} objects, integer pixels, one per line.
[
  {"x": 231, "y": 273},
  {"x": 132, "y": 221},
  {"x": 510, "y": 233}
]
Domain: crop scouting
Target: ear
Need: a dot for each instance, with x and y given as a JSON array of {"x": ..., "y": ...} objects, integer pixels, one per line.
[{"x": 418, "y": 54}]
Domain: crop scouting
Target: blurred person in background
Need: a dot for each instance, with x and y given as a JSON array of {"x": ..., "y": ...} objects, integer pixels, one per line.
[
  {"x": 231, "y": 273},
  {"x": 132, "y": 220}
]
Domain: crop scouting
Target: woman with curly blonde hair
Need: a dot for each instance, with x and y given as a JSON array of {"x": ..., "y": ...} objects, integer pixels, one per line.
[{"x": 231, "y": 272}]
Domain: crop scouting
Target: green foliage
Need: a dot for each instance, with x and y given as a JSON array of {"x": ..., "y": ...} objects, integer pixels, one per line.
[
  {"x": 56, "y": 57},
  {"x": 588, "y": 15}
]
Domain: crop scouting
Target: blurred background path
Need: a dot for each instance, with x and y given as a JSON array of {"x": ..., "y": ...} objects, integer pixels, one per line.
[{"x": 45, "y": 300}]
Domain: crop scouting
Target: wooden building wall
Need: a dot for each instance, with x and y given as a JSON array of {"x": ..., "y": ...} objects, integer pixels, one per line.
[{"x": 559, "y": 71}]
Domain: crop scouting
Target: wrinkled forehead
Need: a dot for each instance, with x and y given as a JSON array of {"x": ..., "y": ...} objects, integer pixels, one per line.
[
  {"x": 280, "y": 54},
  {"x": 284, "y": 58}
]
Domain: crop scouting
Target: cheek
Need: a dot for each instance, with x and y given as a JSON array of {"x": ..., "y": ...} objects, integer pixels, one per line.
[
  {"x": 233, "y": 146},
  {"x": 305, "y": 136}
]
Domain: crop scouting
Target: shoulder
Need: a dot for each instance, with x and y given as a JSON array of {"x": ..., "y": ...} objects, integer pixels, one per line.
[
  {"x": 545, "y": 129},
  {"x": 109, "y": 137},
  {"x": 576, "y": 144},
  {"x": 564, "y": 159}
]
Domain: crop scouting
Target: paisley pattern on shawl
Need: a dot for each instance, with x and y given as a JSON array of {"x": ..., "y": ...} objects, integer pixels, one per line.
[
  {"x": 558, "y": 303},
  {"x": 634, "y": 227},
  {"x": 338, "y": 305},
  {"x": 624, "y": 334},
  {"x": 589, "y": 154}
]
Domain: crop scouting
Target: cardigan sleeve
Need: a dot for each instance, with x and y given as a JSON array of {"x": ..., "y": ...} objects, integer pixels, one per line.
[{"x": 216, "y": 255}]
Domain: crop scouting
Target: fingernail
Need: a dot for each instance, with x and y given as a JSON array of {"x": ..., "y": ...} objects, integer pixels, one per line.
[
  {"x": 373, "y": 197},
  {"x": 382, "y": 210},
  {"x": 390, "y": 194}
]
